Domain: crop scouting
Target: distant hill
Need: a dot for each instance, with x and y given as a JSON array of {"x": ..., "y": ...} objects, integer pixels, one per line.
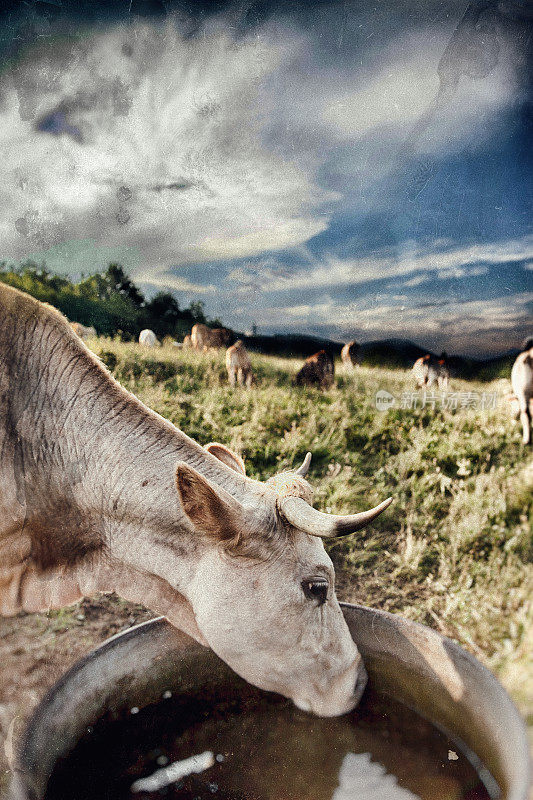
[
  {"x": 297, "y": 345},
  {"x": 393, "y": 353}
]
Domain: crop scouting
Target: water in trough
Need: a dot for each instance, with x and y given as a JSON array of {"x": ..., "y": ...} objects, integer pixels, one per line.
[{"x": 263, "y": 748}]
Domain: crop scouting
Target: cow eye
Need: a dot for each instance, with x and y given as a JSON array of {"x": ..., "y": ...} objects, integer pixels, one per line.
[{"x": 316, "y": 589}]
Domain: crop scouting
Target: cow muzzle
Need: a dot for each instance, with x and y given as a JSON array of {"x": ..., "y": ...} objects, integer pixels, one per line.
[{"x": 342, "y": 696}]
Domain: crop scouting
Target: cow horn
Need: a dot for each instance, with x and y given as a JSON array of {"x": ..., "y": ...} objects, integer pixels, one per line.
[
  {"x": 304, "y": 469},
  {"x": 303, "y": 516}
]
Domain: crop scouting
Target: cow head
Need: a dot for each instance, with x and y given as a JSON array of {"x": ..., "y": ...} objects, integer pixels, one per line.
[{"x": 263, "y": 592}]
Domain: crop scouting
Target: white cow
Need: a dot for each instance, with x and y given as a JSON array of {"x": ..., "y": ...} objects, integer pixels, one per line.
[
  {"x": 522, "y": 384},
  {"x": 147, "y": 338},
  {"x": 100, "y": 493}
]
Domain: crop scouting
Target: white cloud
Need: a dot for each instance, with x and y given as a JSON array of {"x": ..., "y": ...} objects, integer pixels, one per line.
[
  {"x": 396, "y": 96},
  {"x": 417, "y": 280},
  {"x": 169, "y": 281},
  {"x": 393, "y": 99},
  {"x": 172, "y": 164},
  {"x": 440, "y": 264},
  {"x": 456, "y": 273},
  {"x": 178, "y": 161}
]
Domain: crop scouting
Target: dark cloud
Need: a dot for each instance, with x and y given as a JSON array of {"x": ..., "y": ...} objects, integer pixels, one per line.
[{"x": 56, "y": 123}]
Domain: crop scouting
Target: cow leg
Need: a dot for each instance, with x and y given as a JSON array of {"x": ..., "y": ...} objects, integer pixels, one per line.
[
  {"x": 514, "y": 406},
  {"x": 249, "y": 379},
  {"x": 240, "y": 376},
  {"x": 525, "y": 419},
  {"x": 231, "y": 377}
]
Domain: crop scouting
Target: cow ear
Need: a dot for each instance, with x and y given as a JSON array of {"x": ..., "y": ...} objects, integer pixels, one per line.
[
  {"x": 212, "y": 510},
  {"x": 227, "y": 456}
]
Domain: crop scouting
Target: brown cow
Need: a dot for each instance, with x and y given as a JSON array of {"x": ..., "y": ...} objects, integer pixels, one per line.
[
  {"x": 83, "y": 331},
  {"x": 351, "y": 355},
  {"x": 318, "y": 369},
  {"x": 203, "y": 338},
  {"x": 239, "y": 365}
]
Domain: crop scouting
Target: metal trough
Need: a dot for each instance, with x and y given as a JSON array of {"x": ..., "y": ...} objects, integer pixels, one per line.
[{"x": 418, "y": 666}]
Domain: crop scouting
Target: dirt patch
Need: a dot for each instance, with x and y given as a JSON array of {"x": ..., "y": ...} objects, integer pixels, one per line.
[{"x": 36, "y": 649}]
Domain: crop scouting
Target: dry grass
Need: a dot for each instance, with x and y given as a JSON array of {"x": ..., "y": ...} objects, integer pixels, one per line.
[{"x": 454, "y": 551}]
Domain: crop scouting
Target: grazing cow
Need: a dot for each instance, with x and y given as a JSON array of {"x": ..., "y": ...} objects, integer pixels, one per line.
[
  {"x": 428, "y": 370},
  {"x": 147, "y": 338},
  {"x": 100, "y": 493},
  {"x": 83, "y": 331},
  {"x": 351, "y": 355},
  {"x": 318, "y": 369},
  {"x": 203, "y": 338},
  {"x": 443, "y": 372},
  {"x": 239, "y": 365},
  {"x": 420, "y": 371},
  {"x": 522, "y": 384}
]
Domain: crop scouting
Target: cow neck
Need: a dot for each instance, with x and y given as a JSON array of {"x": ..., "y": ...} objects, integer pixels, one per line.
[{"x": 114, "y": 455}]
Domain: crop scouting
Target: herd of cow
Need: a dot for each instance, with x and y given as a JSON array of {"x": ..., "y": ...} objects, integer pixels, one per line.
[
  {"x": 319, "y": 369},
  {"x": 100, "y": 493}
]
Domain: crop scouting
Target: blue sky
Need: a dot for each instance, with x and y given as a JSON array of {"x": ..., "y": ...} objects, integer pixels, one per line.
[{"x": 336, "y": 170}]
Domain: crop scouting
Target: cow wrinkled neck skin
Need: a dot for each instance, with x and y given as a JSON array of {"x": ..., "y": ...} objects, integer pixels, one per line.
[
  {"x": 84, "y": 462},
  {"x": 91, "y": 500}
]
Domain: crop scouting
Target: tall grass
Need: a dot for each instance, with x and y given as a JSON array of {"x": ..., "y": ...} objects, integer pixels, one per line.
[{"x": 455, "y": 549}]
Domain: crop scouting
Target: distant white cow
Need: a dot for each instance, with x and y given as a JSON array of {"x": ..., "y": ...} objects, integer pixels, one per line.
[
  {"x": 148, "y": 338},
  {"x": 522, "y": 383},
  {"x": 239, "y": 365}
]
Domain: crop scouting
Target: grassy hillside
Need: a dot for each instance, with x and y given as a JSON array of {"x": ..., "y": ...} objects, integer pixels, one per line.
[{"x": 455, "y": 549}]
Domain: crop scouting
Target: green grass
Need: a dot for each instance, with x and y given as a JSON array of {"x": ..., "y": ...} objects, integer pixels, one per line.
[{"x": 455, "y": 549}]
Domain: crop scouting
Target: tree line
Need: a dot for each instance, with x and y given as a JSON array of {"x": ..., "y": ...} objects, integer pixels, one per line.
[{"x": 110, "y": 301}]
